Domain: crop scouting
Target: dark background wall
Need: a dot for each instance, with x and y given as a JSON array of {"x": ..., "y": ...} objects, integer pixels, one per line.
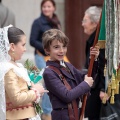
[{"x": 74, "y": 12}]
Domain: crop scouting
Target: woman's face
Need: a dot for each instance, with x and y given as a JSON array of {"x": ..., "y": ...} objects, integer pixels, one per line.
[
  {"x": 48, "y": 9},
  {"x": 18, "y": 49},
  {"x": 88, "y": 25}
]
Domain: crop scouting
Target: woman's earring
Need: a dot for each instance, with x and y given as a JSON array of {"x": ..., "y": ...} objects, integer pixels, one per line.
[
  {"x": 13, "y": 52},
  {"x": 12, "y": 58}
]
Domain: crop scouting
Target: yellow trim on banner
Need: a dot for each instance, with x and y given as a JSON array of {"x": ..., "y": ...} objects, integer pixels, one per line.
[{"x": 101, "y": 44}]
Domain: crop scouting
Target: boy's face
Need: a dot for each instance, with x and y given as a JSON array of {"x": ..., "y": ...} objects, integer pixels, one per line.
[{"x": 57, "y": 50}]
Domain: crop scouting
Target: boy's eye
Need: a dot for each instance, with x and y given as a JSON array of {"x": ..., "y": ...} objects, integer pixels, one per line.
[
  {"x": 56, "y": 46},
  {"x": 64, "y": 46}
]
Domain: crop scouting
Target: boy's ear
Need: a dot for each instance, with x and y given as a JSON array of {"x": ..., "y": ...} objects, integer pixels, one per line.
[{"x": 47, "y": 51}]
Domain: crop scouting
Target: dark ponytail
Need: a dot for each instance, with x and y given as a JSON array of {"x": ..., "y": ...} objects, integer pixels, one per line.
[
  {"x": 54, "y": 22},
  {"x": 14, "y": 35}
]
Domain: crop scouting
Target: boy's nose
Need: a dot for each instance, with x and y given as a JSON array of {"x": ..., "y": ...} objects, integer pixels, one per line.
[{"x": 61, "y": 49}]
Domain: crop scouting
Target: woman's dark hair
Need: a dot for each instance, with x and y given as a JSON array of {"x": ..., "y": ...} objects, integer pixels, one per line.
[
  {"x": 52, "y": 1},
  {"x": 54, "y": 21},
  {"x": 14, "y": 35}
]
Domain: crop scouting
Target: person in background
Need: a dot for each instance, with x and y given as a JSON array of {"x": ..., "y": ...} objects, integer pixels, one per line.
[
  {"x": 65, "y": 83},
  {"x": 6, "y": 16},
  {"x": 17, "y": 93},
  {"x": 47, "y": 20},
  {"x": 89, "y": 23}
]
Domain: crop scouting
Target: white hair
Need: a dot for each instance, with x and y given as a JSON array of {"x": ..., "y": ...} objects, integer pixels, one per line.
[{"x": 94, "y": 13}]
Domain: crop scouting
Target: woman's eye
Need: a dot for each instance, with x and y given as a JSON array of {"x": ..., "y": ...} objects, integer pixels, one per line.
[{"x": 23, "y": 45}]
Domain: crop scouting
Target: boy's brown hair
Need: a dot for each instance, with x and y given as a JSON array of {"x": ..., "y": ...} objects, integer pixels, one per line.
[{"x": 54, "y": 34}]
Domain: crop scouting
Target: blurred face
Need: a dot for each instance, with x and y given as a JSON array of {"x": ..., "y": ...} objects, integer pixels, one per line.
[
  {"x": 48, "y": 9},
  {"x": 18, "y": 49},
  {"x": 88, "y": 25},
  {"x": 57, "y": 51}
]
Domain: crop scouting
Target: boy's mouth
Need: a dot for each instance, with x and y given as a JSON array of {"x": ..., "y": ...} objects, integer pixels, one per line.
[{"x": 61, "y": 55}]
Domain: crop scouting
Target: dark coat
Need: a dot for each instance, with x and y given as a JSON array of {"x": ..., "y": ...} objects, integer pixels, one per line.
[
  {"x": 39, "y": 26},
  {"x": 58, "y": 93},
  {"x": 93, "y": 104}
]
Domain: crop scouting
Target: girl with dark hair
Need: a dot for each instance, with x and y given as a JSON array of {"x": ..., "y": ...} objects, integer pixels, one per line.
[
  {"x": 53, "y": 20},
  {"x": 47, "y": 20},
  {"x": 16, "y": 100}
]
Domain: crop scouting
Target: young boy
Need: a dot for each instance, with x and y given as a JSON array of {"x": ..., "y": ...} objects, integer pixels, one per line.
[{"x": 65, "y": 83}]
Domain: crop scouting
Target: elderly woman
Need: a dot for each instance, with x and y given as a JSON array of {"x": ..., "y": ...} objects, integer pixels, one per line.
[{"x": 89, "y": 23}]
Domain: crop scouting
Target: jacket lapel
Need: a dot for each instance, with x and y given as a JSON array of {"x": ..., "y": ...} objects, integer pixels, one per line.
[
  {"x": 64, "y": 72},
  {"x": 67, "y": 74}
]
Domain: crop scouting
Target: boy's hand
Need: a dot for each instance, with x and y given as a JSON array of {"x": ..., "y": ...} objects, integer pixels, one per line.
[
  {"x": 94, "y": 51},
  {"x": 89, "y": 80},
  {"x": 40, "y": 88}
]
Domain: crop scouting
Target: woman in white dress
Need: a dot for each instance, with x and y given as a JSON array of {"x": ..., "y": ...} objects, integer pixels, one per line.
[{"x": 16, "y": 99}]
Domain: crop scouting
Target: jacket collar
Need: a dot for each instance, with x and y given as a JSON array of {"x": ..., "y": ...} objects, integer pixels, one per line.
[
  {"x": 44, "y": 19},
  {"x": 91, "y": 38},
  {"x": 62, "y": 69}
]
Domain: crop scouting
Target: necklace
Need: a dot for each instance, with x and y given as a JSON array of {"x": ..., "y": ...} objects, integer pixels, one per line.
[
  {"x": 12, "y": 59},
  {"x": 13, "y": 62}
]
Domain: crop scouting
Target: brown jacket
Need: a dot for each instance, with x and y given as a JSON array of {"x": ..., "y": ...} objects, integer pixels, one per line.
[{"x": 18, "y": 98}]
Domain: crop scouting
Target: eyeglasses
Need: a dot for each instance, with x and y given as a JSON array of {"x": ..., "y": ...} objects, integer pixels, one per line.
[{"x": 84, "y": 21}]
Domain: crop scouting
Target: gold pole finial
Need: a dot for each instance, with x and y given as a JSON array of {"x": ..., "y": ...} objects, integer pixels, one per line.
[
  {"x": 109, "y": 89},
  {"x": 117, "y": 83},
  {"x": 105, "y": 70},
  {"x": 112, "y": 97},
  {"x": 113, "y": 82}
]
